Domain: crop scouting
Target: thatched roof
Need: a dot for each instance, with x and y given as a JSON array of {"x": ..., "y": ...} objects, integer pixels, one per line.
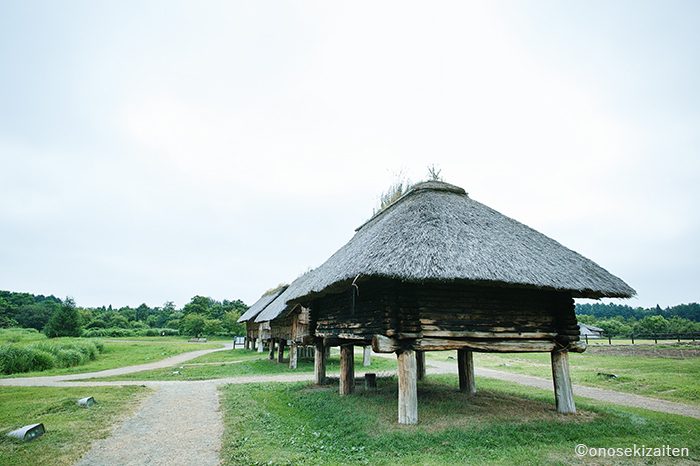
[
  {"x": 279, "y": 307},
  {"x": 261, "y": 303},
  {"x": 436, "y": 233}
]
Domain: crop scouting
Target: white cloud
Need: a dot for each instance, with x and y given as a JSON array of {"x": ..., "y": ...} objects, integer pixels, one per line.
[{"x": 243, "y": 145}]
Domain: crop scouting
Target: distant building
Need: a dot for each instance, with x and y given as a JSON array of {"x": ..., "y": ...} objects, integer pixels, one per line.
[{"x": 590, "y": 331}]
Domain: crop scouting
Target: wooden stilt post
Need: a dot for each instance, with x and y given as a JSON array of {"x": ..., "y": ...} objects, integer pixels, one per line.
[
  {"x": 465, "y": 365},
  {"x": 293, "y": 355},
  {"x": 367, "y": 356},
  {"x": 261, "y": 343},
  {"x": 320, "y": 363},
  {"x": 408, "y": 389},
  {"x": 272, "y": 349},
  {"x": 328, "y": 352},
  {"x": 280, "y": 350},
  {"x": 563, "y": 393},
  {"x": 420, "y": 365},
  {"x": 347, "y": 369}
]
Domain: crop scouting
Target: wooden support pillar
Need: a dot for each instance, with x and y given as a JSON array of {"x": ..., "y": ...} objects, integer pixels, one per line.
[
  {"x": 420, "y": 364},
  {"x": 328, "y": 352},
  {"x": 367, "y": 356},
  {"x": 563, "y": 392},
  {"x": 260, "y": 345},
  {"x": 280, "y": 351},
  {"x": 408, "y": 388},
  {"x": 347, "y": 369},
  {"x": 272, "y": 349},
  {"x": 320, "y": 363},
  {"x": 465, "y": 365},
  {"x": 293, "y": 355}
]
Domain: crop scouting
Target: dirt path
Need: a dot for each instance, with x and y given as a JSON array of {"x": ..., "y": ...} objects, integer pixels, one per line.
[
  {"x": 179, "y": 424},
  {"x": 56, "y": 379}
]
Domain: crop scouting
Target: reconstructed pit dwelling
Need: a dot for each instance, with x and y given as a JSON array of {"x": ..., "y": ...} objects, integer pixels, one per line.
[{"x": 437, "y": 270}]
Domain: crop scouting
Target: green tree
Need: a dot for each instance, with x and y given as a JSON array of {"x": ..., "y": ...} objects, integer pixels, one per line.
[
  {"x": 6, "y": 319},
  {"x": 198, "y": 305},
  {"x": 64, "y": 322},
  {"x": 652, "y": 324},
  {"x": 231, "y": 325},
  {"x": 118, "y": 320},
  {"x": 212, "y": 327},
  {"x": 142, "y": 312},
  {"x": 192, "y": 324},
  {"x": 614, "y": 327}
]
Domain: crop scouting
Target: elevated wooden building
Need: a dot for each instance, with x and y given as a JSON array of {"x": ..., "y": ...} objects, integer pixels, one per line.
[
  {"x": 437, "y": 270},
  {"x": 259, "y": 332},
  {"x": 289, "y": 323}
]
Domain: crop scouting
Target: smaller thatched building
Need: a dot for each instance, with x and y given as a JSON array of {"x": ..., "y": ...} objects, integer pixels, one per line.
[
  {"x": 289, "y": 324},
  {"x": 258, "y": 333}
]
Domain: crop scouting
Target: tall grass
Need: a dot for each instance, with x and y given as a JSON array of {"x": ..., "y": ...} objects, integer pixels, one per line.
[
  {"x": 44, "y": 355},
  {"x": 20, "y": 335},
  {"x": 129, "y": 332}
]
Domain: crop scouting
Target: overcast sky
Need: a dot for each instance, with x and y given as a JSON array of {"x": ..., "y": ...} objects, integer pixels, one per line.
[{"x": 151, "y": 151}]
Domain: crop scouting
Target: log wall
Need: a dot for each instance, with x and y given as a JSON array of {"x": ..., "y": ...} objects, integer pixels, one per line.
[
  {"x": 434, "y": 316},
  {"x": 293, "y": 326}
]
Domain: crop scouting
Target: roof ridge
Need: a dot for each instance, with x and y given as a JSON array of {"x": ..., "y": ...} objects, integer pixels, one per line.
[{"x": 431, "y": 185}]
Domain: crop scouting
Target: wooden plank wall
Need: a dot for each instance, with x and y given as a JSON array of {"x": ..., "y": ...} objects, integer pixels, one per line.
[
  {"x": 446, "y": 311},
  {"x": 294, "y": 326}
]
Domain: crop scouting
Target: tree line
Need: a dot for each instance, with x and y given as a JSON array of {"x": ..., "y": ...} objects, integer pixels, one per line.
[
  {"x": 623, "y": 320},
  {"x": 62, "y": 317}
]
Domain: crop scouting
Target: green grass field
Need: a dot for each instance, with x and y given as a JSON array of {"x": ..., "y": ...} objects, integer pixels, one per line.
[
  {"x": 642, "y": 370},
  {"x": 504, "y": 424},
  {"x": 239, "y": 362},
  {"x": 70, "y": 429},
  {"x": 122, "y": 352}
]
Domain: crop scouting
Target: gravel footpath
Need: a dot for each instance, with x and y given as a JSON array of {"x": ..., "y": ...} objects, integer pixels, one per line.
[
  {"x": 179, "y": 425},
  {"x": 54, "y": 380}
]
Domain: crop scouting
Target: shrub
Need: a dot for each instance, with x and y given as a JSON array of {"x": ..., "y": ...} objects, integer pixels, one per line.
[
  {"x": 15, "y": 359},
  {"x": 45, "y": 355},
  {"x": 108, "y": 332},
  {"x": 43, "y": 361},
  {"x": 69, "y": 357}
]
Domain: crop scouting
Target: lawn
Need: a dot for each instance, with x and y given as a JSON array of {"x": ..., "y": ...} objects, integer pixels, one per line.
[
  {"x": 70, "y": 429},
  {"x": 240, "y": 362},
  {"x": 120, "y": 352},
  {"x": 666, "y": 372},
  {"x": 504, "y": 424}
]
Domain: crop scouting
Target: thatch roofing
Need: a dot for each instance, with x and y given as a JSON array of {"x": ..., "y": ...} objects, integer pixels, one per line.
[
  {"x": 437, "y": 233},
  {"x": 261, "y": 303},
  {"x": 279, "y": 307}
]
